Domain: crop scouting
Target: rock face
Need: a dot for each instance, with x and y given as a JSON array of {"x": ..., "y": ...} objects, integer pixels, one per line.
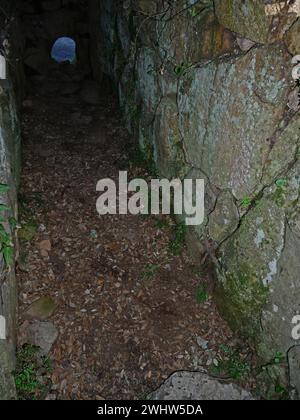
[
  {"x": 7, "y": 384},
  {"x": 292, "y": 38},
  {"x": 40, "y": 334},
  {"x": 197, "y": 386},
  {"x": 245, "y": 18},
  {"x": 294, "y": 363},
  {"x": 41, "y": 309},
  {"x": 258, "y": 20},
  {"x": 9, "y": 175},
  {"x": 207, "y": 89}
]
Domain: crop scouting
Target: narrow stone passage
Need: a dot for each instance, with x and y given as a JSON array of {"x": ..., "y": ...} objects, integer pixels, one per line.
[
  {"x": 203, "y": 92},
  {"x": 126, "y": 308}
]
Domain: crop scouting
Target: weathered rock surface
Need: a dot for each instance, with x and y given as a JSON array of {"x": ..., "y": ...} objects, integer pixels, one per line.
[
  {"x": 212, "y": 96},
  {"x": 292, "y": 38},
  {"x": 255, "y": 20},
  {"x": 245, "y": 18},
  {"x": 245, "y": 44},
  {"x": 41, "y": 309},
  {"x": 45, "y": 247},
  {"x": 198, "y": 386},
  {"x": 10, "y": 140},
  {"x": 38, "y": 333},
  {"x": 7, "y": 383},
  {"x": 294, "y": 364}
]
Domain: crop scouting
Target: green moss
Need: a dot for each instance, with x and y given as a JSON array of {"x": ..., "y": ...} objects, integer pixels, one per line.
[
  {"x": 28, "y": 223},
  {"x": 245, "y": 18},
  {"x": 27, "y": 231},
  {"x": 231, "y": 364},
  {"x": 131, "y": 109},
  {"x": 177, "y": 243},
  {"x": 241, "y": 298},
  {"x": 150, "y": 271},
  {"x": 143, "y": 157},
  {"x": 279, "y": 195},
  {"x": 202, "y": 294}
]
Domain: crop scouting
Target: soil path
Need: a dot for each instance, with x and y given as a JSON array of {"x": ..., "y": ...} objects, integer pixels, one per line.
[{"x": 126, "y": 307}]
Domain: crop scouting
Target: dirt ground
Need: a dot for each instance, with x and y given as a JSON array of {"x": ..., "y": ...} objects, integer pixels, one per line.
[{"x": 127, "y": 311}]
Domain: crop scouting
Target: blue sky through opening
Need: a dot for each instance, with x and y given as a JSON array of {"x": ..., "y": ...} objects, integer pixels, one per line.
[{"x": 64, "y": 49}]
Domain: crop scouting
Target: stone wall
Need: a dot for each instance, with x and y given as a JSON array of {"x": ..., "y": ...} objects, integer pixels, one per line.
[
  {"x": 10, "y": 95},
  {"x": 206, "y": 87}
]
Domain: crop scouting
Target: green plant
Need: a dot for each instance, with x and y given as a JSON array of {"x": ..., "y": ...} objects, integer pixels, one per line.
[
  {"x": 279, "y": 392},
  {"x": 245, "y": 202},
  {"x": 161, "y": 223},
  {"x": 231, "y": 364},
  {"x": 181, "y": 69},
  {"x": 32, "y": 373},
  {"x": 150, "y": 271},
  {"x": 176, "y": 245},
  {"x": 237, "y": 368},
  {"x": 4, "y": 188},
  {"x": 281, "y": 183},
  {"x": 48, "y": 365},
  {"x": 282, "y": 392},
  {"x": 193, "y": 12},
  {"x": 28, "y": 225},
  {"x": 280, "y": 191},
  {"x": 143, "y": 159},
  {"x": 27, "y": 231},
  {"x": 279, "y": 358},
  {"x": 134, "y": 112},
  {"x": 202, "y": 294}
]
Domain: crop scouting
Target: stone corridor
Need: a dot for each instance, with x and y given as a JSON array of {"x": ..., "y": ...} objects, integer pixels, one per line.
[
  {"x": 124, "y": 307},
  {"x": 111, "y": 307}
]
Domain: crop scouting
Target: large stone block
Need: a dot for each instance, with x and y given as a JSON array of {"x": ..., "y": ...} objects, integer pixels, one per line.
[
  {"x": 257, "y": 20},
  {"x": 292, "y": 38},
  {"x": 10, "y": 141},
  {"x": 198, "y": 386},
  {"x": 207, "y": 90},
  {"x": 7, "y": 385},
  {"x": 229, "y": 112}
]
